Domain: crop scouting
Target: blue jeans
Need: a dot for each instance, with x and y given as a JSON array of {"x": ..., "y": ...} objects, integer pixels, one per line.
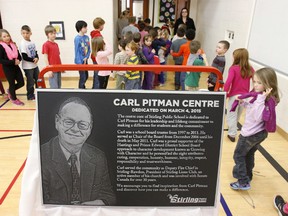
[
  {"x": 31, "y": 77},
  {"x": 55, "y": 81},
  {"x": 95, "y": 79},
  {"x": 244, "y": 156},
  {"x": 132, "y": 84},
  {"x": 182, "y": 80},
  {"x": 82, "y": 79}
]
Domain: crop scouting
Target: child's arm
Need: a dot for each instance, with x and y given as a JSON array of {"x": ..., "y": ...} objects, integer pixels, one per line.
[
  {"x": 4, "y": 61},
  {"x": 178, "y": 54},
  {"x": 149, "y": 55},
  {"x": 228, "y": 82},
  {"x": 106, "y": 52},
  {"x": 88, "y": 52},
  {"x": 49, "y": 73}
]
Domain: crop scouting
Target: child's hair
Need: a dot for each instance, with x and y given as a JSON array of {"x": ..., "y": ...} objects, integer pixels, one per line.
[
  {"x": 131, "y": 19},
  {"x": 132, "y": 45},
  {"x": 241, "y": 58},
  {"x": 146, "y": 37},
  {"x": 141, "y": 26},
  {"x": 225, "y": 43},
  {"x": 122, "y": 43},
  {"x": 190, "y": 34},
  {"x": 269, "y": 80},
  {"x": 80, "y": 24},
  {"x": 136, "y": 37},
  {"x": 97, "y": 45},
  {"x": 180, "y": 32},
  {"x": 26, "y": 28},
  {"x": 147, "y": 21},
  {"x": 128, "y": 36},
  {"x": 153, "y": 33},
  {"x": 194, "y": 46},
  {"x": 49, "y": 29},
  {"x": 4, "y": 31},
  {"x": 165, "y": 33},
  {"x": 97, "y": 22},
  {"x": 183, "y": 26}
]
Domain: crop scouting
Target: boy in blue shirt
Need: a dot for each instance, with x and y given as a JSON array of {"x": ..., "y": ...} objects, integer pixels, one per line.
[{"x": 82, "y": 50}]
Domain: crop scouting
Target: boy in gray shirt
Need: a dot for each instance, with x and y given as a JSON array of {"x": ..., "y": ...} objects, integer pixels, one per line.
[{"x": 175, "y": 47}]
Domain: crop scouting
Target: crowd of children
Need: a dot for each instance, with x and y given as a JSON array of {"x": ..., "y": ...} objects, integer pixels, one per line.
[{"x": 148, "y": 45}]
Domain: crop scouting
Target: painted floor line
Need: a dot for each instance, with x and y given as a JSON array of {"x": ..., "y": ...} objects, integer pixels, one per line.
[
  {"x": 16, "y": 136},
  {"x": 225, "y": 206},
  {"x": 15, "y": 130},
  {"x": 12, "y": 182}
]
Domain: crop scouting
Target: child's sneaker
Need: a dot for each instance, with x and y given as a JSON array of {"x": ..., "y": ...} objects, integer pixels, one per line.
[
  {"x": 279, "y": 204},
  {"x": 17, "y": 102},
  {"x": 32, "y": 98},
  {"x": 238, "y": 186}
]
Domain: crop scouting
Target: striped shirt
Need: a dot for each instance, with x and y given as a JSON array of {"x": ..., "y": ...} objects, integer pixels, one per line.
[{"x": 132, "y": 75}]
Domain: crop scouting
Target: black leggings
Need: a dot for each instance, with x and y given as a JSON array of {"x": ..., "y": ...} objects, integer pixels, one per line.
[
  {"x": 103, "y": 81},
  {"x": 14, "y": 74}
]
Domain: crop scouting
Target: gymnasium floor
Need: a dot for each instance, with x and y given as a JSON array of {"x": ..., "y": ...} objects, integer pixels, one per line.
[{"x": 270, "y": 173}]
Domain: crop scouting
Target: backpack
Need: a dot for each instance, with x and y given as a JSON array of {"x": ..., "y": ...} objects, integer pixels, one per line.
[{"x": 269, "y": 115}]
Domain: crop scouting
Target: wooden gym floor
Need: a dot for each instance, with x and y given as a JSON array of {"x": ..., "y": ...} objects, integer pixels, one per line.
[{"x": 270, "y": 173}]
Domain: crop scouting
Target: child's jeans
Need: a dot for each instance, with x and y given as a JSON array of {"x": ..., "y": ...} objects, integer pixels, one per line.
[
  {"x": 244, "y": 156},
  {"x": 32, "y": 77},
  {"x": 132, "y": 84},
  {"x": 182, "y": 80},
  {"x": 55, "y": 81}
]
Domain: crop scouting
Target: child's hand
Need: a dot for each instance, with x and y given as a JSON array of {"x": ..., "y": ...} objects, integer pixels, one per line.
[
  {"x": 50, "y": 74},
  {"x": 267, "y": 92},
  {"x": 171, "y": 51},
  {"x": 17, "y": 62},
  {"x": 35, "y": 60},
  {"x": 210, "y": 85},
  {"x": 240, "y": 100},
  {"x": 153, "y": 51}
]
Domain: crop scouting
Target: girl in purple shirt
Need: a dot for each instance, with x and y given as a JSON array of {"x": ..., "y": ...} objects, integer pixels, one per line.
[{"x": 254, "y": 130}]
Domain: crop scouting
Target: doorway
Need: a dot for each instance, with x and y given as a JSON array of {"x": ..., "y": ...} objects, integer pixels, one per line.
[{"x": 137, "y": 8}]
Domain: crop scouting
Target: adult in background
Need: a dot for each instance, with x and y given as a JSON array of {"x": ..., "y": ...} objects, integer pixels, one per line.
[
  {"x": 73, "y": 171},
  {"x": 121, "y": 23},
  {"x": 131, "y": 27},
  {"x": 184, "y": 19}
]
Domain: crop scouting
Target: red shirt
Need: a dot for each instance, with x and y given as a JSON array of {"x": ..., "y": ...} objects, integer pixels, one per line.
[
  {"x": 95, "y": 34},
  {"x": 52, "y": 51}
]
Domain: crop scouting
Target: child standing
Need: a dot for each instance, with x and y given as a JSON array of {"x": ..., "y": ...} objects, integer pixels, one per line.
[
  {"x": 185, "y": 52},
  {"x": 120, "y": 59},
  {"x": 10, "y": 59},
  {"x": 149, "y": 55},
  {"x": 29, "y": 62},
  {"x": 254, "y": 131},
  {"x": 238, "y": 82},
  {"x": 98, "y": 24},
  {"x": 82, "y": 50},
  {"x": 192, "y": 78},
  {"x": 51, "y": 53},
  {"x": 101, "y": 50},
  {"x": 175, "y": 47},
  {"x": 132, "y": 77},
  {"x": 218, "y": 62}
]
